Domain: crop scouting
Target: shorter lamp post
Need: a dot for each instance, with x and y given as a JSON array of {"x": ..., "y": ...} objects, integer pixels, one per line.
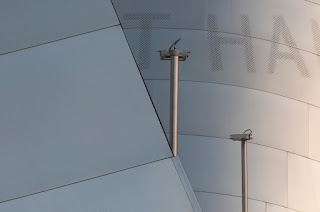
[
  {"x": 247, "y": 135},
  {"x": 174, "y": 55}
]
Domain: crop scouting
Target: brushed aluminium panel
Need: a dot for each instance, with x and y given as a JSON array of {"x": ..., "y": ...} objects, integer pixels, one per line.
[
  {"x": 211, "y": 164},
  {"x": 29, "y": 23},
  {"x": 266, "y": 66},
  {"x": 186, "y": 184},
  {"x": 276, "y": 208},
  {"x": 304, "y": 184},
  {"x": 313, "y": 1},
  {"x": 152, "y": 187},
  {"x": 268, "y": 174},
  {"x": 217, "y": 202},
  {"x": 297, "y": 20},
  {"x": 73, "y": 110},
  {"x": 165, "y": 13},
  {"x": 214, "y": 165},
  {"x": 314, "y": 132},
  {"x": 294, "y": 19},
  {"x": 217, "y": 110}
]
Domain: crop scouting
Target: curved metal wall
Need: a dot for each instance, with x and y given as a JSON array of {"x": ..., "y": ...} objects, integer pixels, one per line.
[{"x": 253, "y": 64}]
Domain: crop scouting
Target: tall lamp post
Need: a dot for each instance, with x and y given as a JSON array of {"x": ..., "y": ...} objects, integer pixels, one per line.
[
  {"x": 174, "y": 55},
  {"x": 247, "y": 135}
]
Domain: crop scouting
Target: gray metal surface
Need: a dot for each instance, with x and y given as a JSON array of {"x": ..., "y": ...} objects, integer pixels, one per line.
[
  {"x": 211, "y": 164},
  {"x": 174, "y": 55},
  {"x": 265, "y": 66},
  {"x": 55, "y": 130},
  {"x": 174, "y": 72},
  {"x": 72, "y": 110},
  {"x": 165, "y": 13},
  {"x": 303, "y": 183},
  {"x": 152, "y": 187},
  {"x": 224, "y": 203},
  {"x": 263, "y": 18},
  {"x": 214, "y": 165},
  {"x": 264, "y": 58},
  {"x": 28, "y": 23},
  {"x": 186, "y": 184},
  {"x": 275, "y": 208},
  {"x": 314, "y": 132},
  {"x": 268, "y": 174},
  {"x": 217, "y": 110}
]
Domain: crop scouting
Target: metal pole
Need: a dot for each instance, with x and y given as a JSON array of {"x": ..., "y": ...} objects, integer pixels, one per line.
[
  {"x": 174, "y": 72},
  {"x": 174, "y": 55},
  {"x": 244, "y": 176},
  {"x": 247, "y": 135}
]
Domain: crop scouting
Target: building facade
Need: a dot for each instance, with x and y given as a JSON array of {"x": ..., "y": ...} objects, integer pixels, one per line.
[{"x": 85, "y": 105}]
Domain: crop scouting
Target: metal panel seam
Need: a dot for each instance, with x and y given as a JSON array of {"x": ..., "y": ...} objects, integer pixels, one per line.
[
  {"x": 186, "y": 185},
  {"x": 229, "y": 33},
  {"x": 84, "y": 180},
  {"x": 72, "y": 36},
  {"x": 143, "y": 80}
]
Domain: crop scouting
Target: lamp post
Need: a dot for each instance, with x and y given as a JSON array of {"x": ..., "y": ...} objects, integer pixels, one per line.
[
  {"x": 174, "y": 55},
  {"x": 244, "y": 170}
]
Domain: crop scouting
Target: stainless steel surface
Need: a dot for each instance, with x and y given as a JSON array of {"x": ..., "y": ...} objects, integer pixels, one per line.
[
  {"x": 215, "y": 110},
  {"x": 276, "y": 208},
  {"x": 186, "y": 184},
  {"x": 208, "y": 70},
  {"x": 152, "y": 187},
  {"x": 267, "y": 174},
  {"x": 33, "y": 22},
  {"x": 72, "y": 110},
  {"x": 261, "y": 16},
  {"x": 314, "y": 132},
  {"x": 214, "y": 165},
  {"x": 303, "y": 183},
  {"x": 212, "y": 202},
  {"x": 244, "y": 174},
  {"x": 263, "y": 57}
]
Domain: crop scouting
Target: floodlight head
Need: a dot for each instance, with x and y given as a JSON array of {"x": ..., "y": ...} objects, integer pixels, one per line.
[
  {"x": 166, "y": 54},
  {"x": 242, "y": 137}
]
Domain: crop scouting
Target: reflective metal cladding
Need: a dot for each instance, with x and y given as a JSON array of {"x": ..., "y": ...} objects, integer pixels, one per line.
[{"x": 255, "y": 64}]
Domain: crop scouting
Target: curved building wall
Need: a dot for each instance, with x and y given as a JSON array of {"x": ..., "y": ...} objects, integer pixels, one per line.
[{"x": 253, "y": 64}]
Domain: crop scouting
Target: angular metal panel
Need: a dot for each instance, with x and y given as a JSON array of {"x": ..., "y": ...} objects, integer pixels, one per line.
[
  {"x": 314, "y": 132},
  {"x": 29, "y": 23},
  {"x": 152, "y": 187},
  {"x": 216, "y": 202},
  {"x": 217, "y": 110},
  {"x": 72, "y": 110},
  {"x": 186, "y": 184},
  {"x": 304, "y": 184}
]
